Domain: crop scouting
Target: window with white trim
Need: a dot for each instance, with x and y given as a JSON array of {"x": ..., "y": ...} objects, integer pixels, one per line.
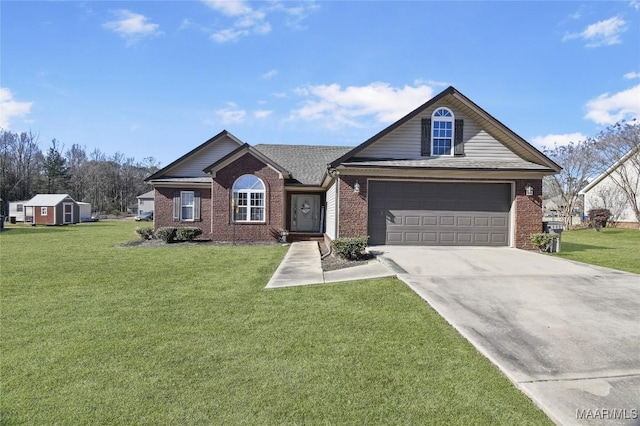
[
  {"x": 187, "y": 205},
  {"x": 442, "y": 129},
  {"x": 248, "y": 201},
  {"x": 43, "y": 211}
]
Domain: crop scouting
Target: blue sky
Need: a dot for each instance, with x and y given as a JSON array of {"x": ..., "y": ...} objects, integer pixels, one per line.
[{"x": 158, "y": 78}]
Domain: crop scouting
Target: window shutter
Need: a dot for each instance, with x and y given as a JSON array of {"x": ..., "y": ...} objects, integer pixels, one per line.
[
  {"x": 176, "y": 206},
  {"x": 196, "y": 205},
  {"x": 458, "y": 146},
  {"x": 426, "y": 137}
]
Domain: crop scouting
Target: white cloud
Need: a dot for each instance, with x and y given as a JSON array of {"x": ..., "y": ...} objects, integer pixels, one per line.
[
  {"x": 345, "y": 107},
  {"x": 270, "y": 74},
  {"x": 231, "y": 114},
  {"x": 609, "y": 109},
  {"x": 295, "y": 14},
  {"x": 635, "y": 4},
  {"x": 262, "y": 113},
  {"x": 602, "y": 33},
  {"x": 10, "y": 108},
  {"x": 132, "y": 26},
  {"x": 632, "y": 75},
  {"x": 247, "y": 20},
  {"x": 549, "y": 141}
]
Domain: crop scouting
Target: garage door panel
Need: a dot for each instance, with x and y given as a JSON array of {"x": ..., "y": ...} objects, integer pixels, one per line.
[{"x": 430, "y": 213}]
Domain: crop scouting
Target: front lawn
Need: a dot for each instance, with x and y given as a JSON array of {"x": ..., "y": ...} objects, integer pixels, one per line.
[
  {"x": 95, "y": 333},
  {"x": 611, "y": 247}
]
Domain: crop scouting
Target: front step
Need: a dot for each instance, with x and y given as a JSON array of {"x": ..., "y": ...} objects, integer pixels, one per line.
[{"x": 305, "y": 236}]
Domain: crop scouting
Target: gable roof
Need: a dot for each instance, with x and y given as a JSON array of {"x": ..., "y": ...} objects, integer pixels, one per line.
[
  {"x": 150, "y": 194},
  {"x": 490, "y": 124},
  {"x": 307, "y": 164},
  {"x": 47, "y": 200},
  {"x": 614, "y": 166},
  {"x": 239, "y": 152},
  {"x": 197, "y": 149}
]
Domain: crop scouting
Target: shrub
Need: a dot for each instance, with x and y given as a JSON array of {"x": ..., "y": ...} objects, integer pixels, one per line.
[
  {"x": 166, "y": 234},
  {"x": 350, "y": 248},
  {"x": 188, "y": 233},
  {"x": 144, "y": 232},
  {"x": 598, "y": 218},
  {"x": 542, "y": 240}
]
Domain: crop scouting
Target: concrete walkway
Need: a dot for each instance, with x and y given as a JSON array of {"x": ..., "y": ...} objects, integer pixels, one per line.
[{"x": 302, "y": 266}]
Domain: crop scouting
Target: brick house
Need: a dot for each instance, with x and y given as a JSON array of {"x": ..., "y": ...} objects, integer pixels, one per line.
[{"x": 447, "y": 173}]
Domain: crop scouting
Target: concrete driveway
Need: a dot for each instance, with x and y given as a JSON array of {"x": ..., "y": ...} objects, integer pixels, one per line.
[{"x": 566, "y": 333}]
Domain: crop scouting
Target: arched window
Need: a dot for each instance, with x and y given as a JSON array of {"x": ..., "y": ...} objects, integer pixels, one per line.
[
  {"x": 248, "y": 199},
  {"x": 442, "y": 129}
]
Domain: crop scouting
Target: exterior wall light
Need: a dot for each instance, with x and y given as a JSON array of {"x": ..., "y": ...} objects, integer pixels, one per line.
[
  {"x": 356, "y": 188},
  {"x": 528, "y": 190}
]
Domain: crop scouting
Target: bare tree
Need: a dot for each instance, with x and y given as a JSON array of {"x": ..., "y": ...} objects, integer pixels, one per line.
[
  {"x": 577, "y": 168},
  {"x": 617, "y": 153}
]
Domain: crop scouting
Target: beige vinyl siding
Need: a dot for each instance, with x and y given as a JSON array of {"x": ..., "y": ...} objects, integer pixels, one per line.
[
  {"x": 331, "y": 211},
  {"x": 193, "y": 165},
  {"x": 404, "y": 142}
]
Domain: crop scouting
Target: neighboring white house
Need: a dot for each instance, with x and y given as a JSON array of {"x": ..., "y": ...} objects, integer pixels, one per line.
[
  {"x": 16, "y": 210},
  {"x": 603, "y": 192},
  {"x": 145, "y": 202}
]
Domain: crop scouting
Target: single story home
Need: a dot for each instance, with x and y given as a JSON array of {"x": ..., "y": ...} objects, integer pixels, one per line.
[
  {"x": 605, "y": 191},
  {"x": 447, "y": 173},
  {"x": 16, "y": 211},
  {"x": 145, "y": 202},
  {"x": 51, "y": 209}
]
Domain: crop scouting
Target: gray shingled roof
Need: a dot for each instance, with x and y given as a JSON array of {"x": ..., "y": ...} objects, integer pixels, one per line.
[
  {"x": 450, "y": 163},
  {"x": 306, "y": 163}
]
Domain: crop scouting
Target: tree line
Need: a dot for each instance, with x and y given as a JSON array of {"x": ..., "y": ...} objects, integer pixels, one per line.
[
  {"x": 584, "y": 160},
  {"x": 109, "y": 182}
]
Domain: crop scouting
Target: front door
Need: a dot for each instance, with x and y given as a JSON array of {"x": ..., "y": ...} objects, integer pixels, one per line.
[
  {"x": 305, "y": 212},
  {"x": 68, "y": 213}
]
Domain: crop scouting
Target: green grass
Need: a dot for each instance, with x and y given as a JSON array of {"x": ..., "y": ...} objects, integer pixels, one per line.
[
  {"x": 94, "y": 333},
  {"x": 611, "y": 247}
]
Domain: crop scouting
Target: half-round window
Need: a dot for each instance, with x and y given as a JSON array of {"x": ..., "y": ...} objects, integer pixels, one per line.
[{"x": 248, "y": 199}]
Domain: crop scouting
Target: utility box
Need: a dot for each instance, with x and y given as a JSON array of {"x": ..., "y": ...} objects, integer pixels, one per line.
[{"x": 554, "y": 228}]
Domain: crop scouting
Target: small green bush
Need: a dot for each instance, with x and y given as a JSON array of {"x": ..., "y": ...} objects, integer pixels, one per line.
[
  {"x": 598, "y": 218},
  {"x": 144, "y": 232},
  {"x": 542, "y": 240},
  {"x": 350, "y": 248},
  {"x": 188, "y": 233},
  {"x": 166, "y": 234}
]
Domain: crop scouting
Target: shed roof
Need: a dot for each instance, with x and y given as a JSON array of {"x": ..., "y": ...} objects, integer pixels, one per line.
[{"x": 48, "y": 199}]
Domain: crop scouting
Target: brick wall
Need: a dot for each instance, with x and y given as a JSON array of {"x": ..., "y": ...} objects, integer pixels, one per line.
[
  {"x": 528, "y": 214},
  {"x": 352, "y": 217},
  {"x": 163, "y": 210},
  {"x": 223, "y": 227}
]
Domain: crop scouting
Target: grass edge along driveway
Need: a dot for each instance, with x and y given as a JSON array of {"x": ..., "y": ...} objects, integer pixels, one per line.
[
  {"x": 94, "y": 333},
  {"x": 614, "y": 248}
]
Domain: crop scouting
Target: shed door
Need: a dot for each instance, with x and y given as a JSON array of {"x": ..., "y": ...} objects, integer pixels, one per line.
[
  {"x": 67, "y": 216},
  {"x": 427, "y": 213}
]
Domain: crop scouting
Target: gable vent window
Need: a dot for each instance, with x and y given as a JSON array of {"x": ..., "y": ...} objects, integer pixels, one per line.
[{"x": 442, "y": 134}]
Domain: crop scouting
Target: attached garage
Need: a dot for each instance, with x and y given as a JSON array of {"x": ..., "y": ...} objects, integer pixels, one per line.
[{"x": 439, "y": 213}]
